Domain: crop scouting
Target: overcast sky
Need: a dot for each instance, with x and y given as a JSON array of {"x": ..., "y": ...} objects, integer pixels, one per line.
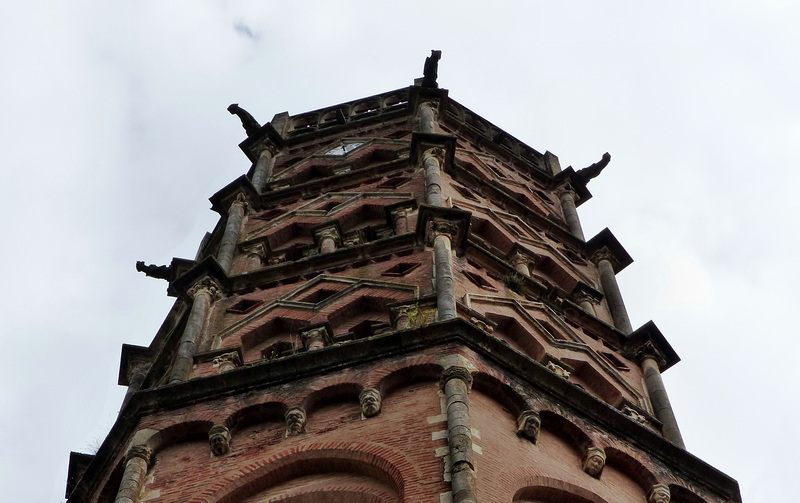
[{"x": 113, "y": 134}]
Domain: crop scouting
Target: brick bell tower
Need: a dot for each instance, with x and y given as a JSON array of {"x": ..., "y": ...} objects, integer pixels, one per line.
[{"x": 397, "y": 305}]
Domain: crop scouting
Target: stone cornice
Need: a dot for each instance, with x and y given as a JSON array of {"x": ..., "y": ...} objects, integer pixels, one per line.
[{"x": 302, "y": 365}]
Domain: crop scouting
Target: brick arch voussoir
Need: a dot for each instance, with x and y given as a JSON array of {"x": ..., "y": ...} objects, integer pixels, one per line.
[
  {"x": 376, "y": 461},
  {"x": 419, "y": 370},
  {"x": 679, "y": 494},
  {"x": 566, "y": 429},
  {"x": 340, "y": 392},
  {"x": 254, "y": 414},
  {"x": 553, "y": 491},
  {"x": 633, "y": 468},
  {"x": 493, "y": 386}
]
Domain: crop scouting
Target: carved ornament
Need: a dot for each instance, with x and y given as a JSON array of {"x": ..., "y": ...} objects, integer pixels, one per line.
[
  {"x": 529, "y": 423},
  {"x": 593, "y": 461},
  {"x": 457, "y": 372},
  {"x": 659, "y": 493},
  {"x": 219, "y": 438},
  {"x": 437, "y": 227},
  {"x": 370, "y": 399},
  {"x": 558, "y": 370},
  {"x": 141, "y": 452},
  {"x": 205, "y": 285},
  {"x": 295, "y": 421}
]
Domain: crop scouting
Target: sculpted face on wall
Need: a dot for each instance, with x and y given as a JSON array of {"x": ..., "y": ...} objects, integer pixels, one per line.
[
  {"x": 593, "y": 461},
  {"x": 370, "y": 399},
  {"x": 295, "y": 421},
  {"x": 219, "y": 438},
  {"x": 528, "y": 425},
  {"x": 659, "y": 494}
]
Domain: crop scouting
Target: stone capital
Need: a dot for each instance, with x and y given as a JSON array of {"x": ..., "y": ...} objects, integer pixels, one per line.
[
  {"x": 315, "y": 338},
  {"x": 241, "y": 200},
  {"x": 604, "y": 254},
  {"x": 567, "y": 190},
  {"x": 140, "y": 451},
  {"x": 519, "y": 258},
  {"x": 457, "y": 372},
  {"x": 435, "y": 152},
  {"x": 648, "y": 350},
  {"x": 328, "y": 232},
  {"x": 205, "y": 285},
  {"x": 227, "y": 361},
  {"x": 437, "y": 227}
]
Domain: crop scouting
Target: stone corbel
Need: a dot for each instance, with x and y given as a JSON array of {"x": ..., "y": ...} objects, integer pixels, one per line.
[
  {"x": 295, "y": 421},
  {"x": 219, "y": 439},
  {"x": 256, "y": 252},
  {"x": 659, "y": 493},
  {"x": 529, "y": 423}
]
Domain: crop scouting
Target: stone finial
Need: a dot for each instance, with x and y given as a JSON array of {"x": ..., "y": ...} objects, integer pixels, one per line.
[
  {"x": 659, "y": 493},
  {"x": 529, "y": 423},
  {"x": 219, "y": 438},
  {"x": 142, "y": 452},
  {"x": 370, "y": 399},
  {"x": 593, "y": 461},
  {"x": 250, "y": 125},
  {"x": 227, "y": 361},
  {"x": 558, "y": 370},
  {"x": 295, "y": 421},
  {"x": 430, "y": 71}
]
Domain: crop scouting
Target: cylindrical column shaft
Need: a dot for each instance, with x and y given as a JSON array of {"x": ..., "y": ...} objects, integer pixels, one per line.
[
  {"x": 459, "y": 434},
  {"x": 191, "y": 334},
  {"x": 230, "y": 237},
  {"x": 433, "y": 184},
  {"x": 660, "y": 401},
  {"x": 136, "y": 465},
  {"x": 427, "y": 118},
  {"x": 614, "y": 298},
  {"x": 401, "y": 221},
  {"x": 443, "y": 271},
  {"x": 587, "y": 306},
  {"x": 134, "y": 385},
  {"x": 263, "y": 171},
  {"x": 571, "y": 214}
]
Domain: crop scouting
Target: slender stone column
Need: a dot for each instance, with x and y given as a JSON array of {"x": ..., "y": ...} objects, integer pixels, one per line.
[
  {"x": 400, "y": 217},
  {"x": 137, "y": 461},
  {"x": 457, "y": 382},
  {"x": 230, "y": 237},
  {"x": 327, "y": 239},
  {"x": 202, "y": 294},
  {"x": 433, "y": 185},
  {"x": 660, "y": 401},
  {"x": 608, "y": 280},
  {"x": 441, "y": 233},
  {"x": 426, "y": 115},
  {"x": 586, "y": 302},
  {"x": 136, "y": 375},
  {"x": 264, "y": 166},
  {"x": 520, "y": 262},
  {"x": 567, "y": 197}
]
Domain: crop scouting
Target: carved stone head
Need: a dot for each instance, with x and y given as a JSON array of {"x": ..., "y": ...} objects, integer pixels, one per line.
[
  {"x": 659, "y": 494},
  {"x": 219, "y": 438},
  {"x": 295, "y": 421},
  {"x": 528, "y": 425},
  {"x": 593, "y": 461},
  {"x": 370, "y": 399}
]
